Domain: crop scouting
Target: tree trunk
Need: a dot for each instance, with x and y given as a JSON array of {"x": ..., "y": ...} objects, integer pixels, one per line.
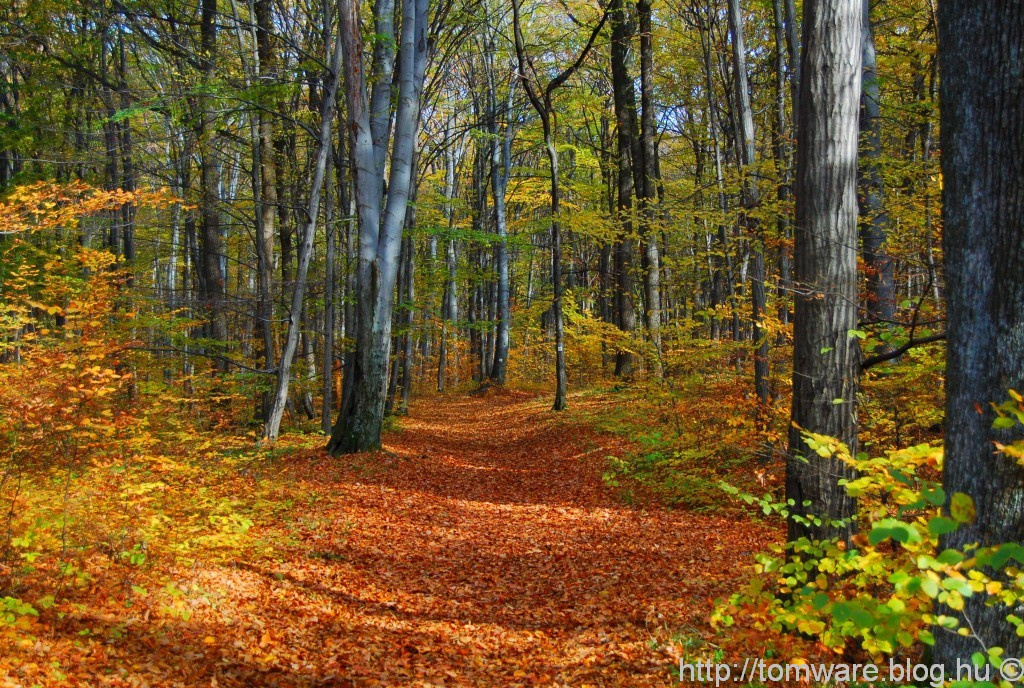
[
  {"x": 361, "y": 418},
  {"x": 327, "y": 107},
  {"x": 410, "y": 314},
  {"x": 541, "y": 102},
  {"x": 211, "y": 246},
  {"x": 723, "y": 281},
  {"x": 450, "y": 297},
  {"x": 751, "y": 198},
  {"x": 648, "y": 134},
  {"x": 874, "y": 229},
  {"x": 267, "y": 209},
  {"x": 826, "y": 357},
  {"x": 982, "y": 135},
  {"x": 783, "y": 161},
  {"x": 561, "y": 375},
  {"x": 628, "y": 159},
  {"x": 330, "y": 279},
  {"x": 501, "y": 167}
]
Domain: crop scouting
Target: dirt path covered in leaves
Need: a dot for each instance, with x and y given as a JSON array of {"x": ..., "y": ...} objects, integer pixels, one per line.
[{"x": 482, "y": 549}]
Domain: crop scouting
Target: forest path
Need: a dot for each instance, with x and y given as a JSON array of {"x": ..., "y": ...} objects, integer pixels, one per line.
[{"x": 481, "y": 549}]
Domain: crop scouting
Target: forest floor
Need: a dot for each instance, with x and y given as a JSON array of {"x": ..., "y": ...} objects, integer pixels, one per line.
[{"x": 481, "y": 548}]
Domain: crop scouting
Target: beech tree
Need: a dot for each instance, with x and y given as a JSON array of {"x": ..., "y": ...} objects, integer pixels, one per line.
[
  {"x": 982, "y": 135},
  {"x": 381, "y": 216},
  {"x": 826, "y": 355}
]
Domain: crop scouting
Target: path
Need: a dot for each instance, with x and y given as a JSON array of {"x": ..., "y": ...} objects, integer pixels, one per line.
[{"x": 484, "y": 550}]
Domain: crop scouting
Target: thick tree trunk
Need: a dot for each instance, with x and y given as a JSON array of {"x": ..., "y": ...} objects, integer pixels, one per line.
[
  {"x": 982, "y": 134},
  {"x": 826, "y": 357},
  {"x": 361, "y": 418}
]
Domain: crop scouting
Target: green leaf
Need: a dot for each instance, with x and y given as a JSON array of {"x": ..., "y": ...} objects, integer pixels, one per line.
[
  {"x": 929, "y": 587},
  {"x": 934, "y": 495},
  {"x": 950, "y": 557},
  {"x": 904, "y": 533},
  {"x": 940, "y": 525},
  {"x": 961, "y": 507}
]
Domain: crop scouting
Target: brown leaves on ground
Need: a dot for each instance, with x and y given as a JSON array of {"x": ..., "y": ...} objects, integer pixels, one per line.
[{"x": 480, "y": 549}]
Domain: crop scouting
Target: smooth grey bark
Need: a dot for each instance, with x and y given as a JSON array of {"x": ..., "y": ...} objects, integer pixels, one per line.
[
  {"x": 751, "y": 199},
  {"x": 981, "y": 60},
  {"x": 874, "y": 227},
  {"x": 360, "y": 421},
  {"x": 330, "y": 310},
  {"x": 826, "y": 357},
  {"x": 501, "y": 169},
  {"x": 382, "y": 91},
  {"x": 410, "y": 314},
  {"x": 450, "y": 297},
  {"x": 323, "y": 151}
]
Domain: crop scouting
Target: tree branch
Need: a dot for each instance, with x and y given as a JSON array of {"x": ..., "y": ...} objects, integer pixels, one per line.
[{"x": 896, "y": 353}]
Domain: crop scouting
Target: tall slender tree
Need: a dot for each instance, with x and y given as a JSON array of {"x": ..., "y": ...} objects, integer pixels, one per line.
[
  {"x": 324, "y": 152},
  {"x": 541, "y": 99}
]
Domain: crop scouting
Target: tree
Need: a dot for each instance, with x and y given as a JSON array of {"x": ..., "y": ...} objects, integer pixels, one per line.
[
  {"x": 982, "y": 134},
  {"x": 649, "y": 188},
  {"x": 312, "y": 211},
  {"x": 628, "y": 165},
  {"x": 381, "y": 218},
  {"x": 501, "y": 169},
  {"x": 881, "y": 298},
  {"x": 210, "y": 273},
  {"x": 540, "y": 98},
  {"x": 746, "y": 159},
  {"x": 826, "y": 355}
]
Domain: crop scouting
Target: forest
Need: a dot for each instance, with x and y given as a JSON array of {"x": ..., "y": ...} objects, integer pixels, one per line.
[{"x": 511, "y": 342}]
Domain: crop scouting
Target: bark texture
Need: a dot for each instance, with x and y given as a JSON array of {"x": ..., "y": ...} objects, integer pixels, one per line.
[
  {"x": 982, "y": 132},
  {"x": 826, "y": 357}
]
